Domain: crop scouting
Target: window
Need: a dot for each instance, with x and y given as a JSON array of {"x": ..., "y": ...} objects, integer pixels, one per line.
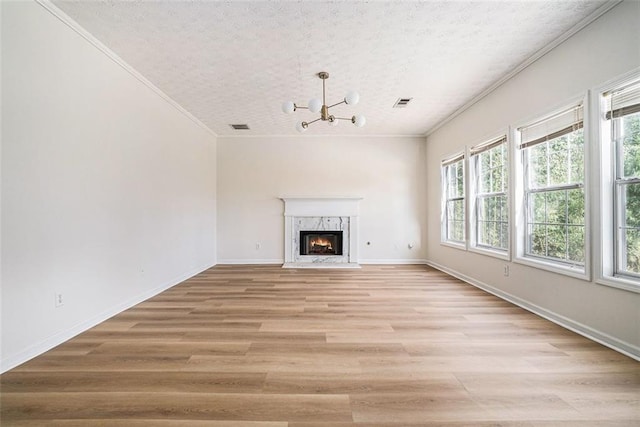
[
  {"x": 490, "y": 210},
  {"x": 553, "y": 198},
  {"x": 623, "y": 117},
  {"x": 453, "y": 203}
]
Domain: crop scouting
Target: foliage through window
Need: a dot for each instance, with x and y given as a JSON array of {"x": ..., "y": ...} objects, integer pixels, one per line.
[
  {"x": 453, "y": 200},
  {"x": 624, "y": 115},
  {"x": 491, "y": 210},
  {"x": 554, "y": 193}
]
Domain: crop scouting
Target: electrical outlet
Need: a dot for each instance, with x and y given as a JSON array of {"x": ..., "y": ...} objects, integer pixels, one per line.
[
  {"x": 506, "y": 270},
  {"x": 59, "y": 300}
]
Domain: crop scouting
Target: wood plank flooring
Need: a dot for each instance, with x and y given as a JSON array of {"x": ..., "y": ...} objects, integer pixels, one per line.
[{"x": 261, "y": 346}]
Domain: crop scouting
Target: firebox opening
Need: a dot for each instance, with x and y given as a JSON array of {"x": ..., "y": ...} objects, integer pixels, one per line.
[{"x": 320, "y": 242}]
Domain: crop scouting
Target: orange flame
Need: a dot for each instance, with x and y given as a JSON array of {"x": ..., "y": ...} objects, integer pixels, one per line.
[{"x": 321, "y": 242}]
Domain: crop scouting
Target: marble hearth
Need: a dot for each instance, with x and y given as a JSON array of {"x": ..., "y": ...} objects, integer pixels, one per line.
[{"x": 320, "y": 215}]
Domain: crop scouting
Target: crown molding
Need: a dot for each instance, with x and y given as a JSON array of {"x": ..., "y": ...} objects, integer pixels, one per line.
[
  {"x": 69, "y": 22},
  {"x": 324, "y": 136},
  {"x": 533, "y": 58}
]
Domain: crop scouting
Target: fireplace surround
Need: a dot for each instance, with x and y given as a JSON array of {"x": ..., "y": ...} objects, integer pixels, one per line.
[{"x": 333, "y": 222}]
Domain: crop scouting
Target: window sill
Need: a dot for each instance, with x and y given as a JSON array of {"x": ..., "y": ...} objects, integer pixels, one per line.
[
  {"x": 503, "y": 255},
  {"x": 576, "y": 272},
  {"x": 455, "y": 245},
  {"x": 620, "y": 283}
]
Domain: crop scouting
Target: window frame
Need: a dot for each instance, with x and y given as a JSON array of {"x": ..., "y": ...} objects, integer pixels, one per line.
[
  {"x": 519, "y": 193},
  {"x": 474, "y": 195},
  {"x": 608, "y": 210},
  {"x": 445, "y": 164},
  {"x": 619, "y": 204}
]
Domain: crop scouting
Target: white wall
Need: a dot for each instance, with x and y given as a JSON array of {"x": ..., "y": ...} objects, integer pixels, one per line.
[
  {"x": 388, "y": 173},
  {"x": 108, "y": 190},
  {"x": 605, "y": 49}
]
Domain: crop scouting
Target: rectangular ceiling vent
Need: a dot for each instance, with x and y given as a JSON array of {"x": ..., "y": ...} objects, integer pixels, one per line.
[
  {"x": 402, "y": 102},
  {"x": 240, "y": 127}
]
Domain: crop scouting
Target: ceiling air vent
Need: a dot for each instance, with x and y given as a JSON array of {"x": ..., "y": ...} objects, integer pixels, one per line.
[
  {"x": 402, "y": 102},
  {"x": 240, "y": 127}
]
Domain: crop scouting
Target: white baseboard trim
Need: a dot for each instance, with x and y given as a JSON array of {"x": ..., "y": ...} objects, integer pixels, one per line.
[
  {"x": 321, "y": 265},
  {"x": 65, "y": 335},
  {"x": 404, "y": 261},
  {"x": 250, "y": 261},
  {"x": 605, "y": 339},
  {"x": 362, "y": 261}
]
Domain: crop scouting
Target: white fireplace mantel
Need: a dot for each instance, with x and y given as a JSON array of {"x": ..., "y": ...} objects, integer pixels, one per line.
[{"x": 321, "y": 213}]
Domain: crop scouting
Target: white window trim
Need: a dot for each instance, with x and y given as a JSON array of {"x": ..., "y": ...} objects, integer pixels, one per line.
[
  {"x": 443, "y": 200},
  {"x": 471, "y": 205},
  {"x": 519, "y": 228},
  {"x": 603, "y": 177},
  {"x": 503, "y": 255},
  {"x": 455, "y": 245}
]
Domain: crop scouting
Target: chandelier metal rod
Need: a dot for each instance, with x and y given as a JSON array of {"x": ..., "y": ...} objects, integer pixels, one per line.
[
  {"x": 337, "y": 103},
  {"x": 308, "y": 123},
  {"x": 324, "y": 97}
]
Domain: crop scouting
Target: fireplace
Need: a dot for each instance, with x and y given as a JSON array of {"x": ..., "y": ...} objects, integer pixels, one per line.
[
  {"x": 321, "y": 242},
  {"x": 320, "y": 232}
]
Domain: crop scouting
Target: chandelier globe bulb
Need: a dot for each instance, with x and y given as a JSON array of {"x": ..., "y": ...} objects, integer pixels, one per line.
[
  {"x": 359, "y": 120},
  {"x": 301, "y": 126},
  {"x": 315, "y": 105},
  {"x": 352, "y": 98},
  {"x": 288, "y": 107}
]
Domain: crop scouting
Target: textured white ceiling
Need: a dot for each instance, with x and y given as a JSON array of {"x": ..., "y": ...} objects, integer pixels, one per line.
[{"x": 236, "y": 62}]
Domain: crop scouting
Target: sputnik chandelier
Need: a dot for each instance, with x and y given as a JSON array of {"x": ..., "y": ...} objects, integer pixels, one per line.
[{"x": 317, "y": 106}]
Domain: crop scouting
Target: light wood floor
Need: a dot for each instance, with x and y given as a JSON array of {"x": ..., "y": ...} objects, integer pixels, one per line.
[{"x": 240, "y": 346}]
